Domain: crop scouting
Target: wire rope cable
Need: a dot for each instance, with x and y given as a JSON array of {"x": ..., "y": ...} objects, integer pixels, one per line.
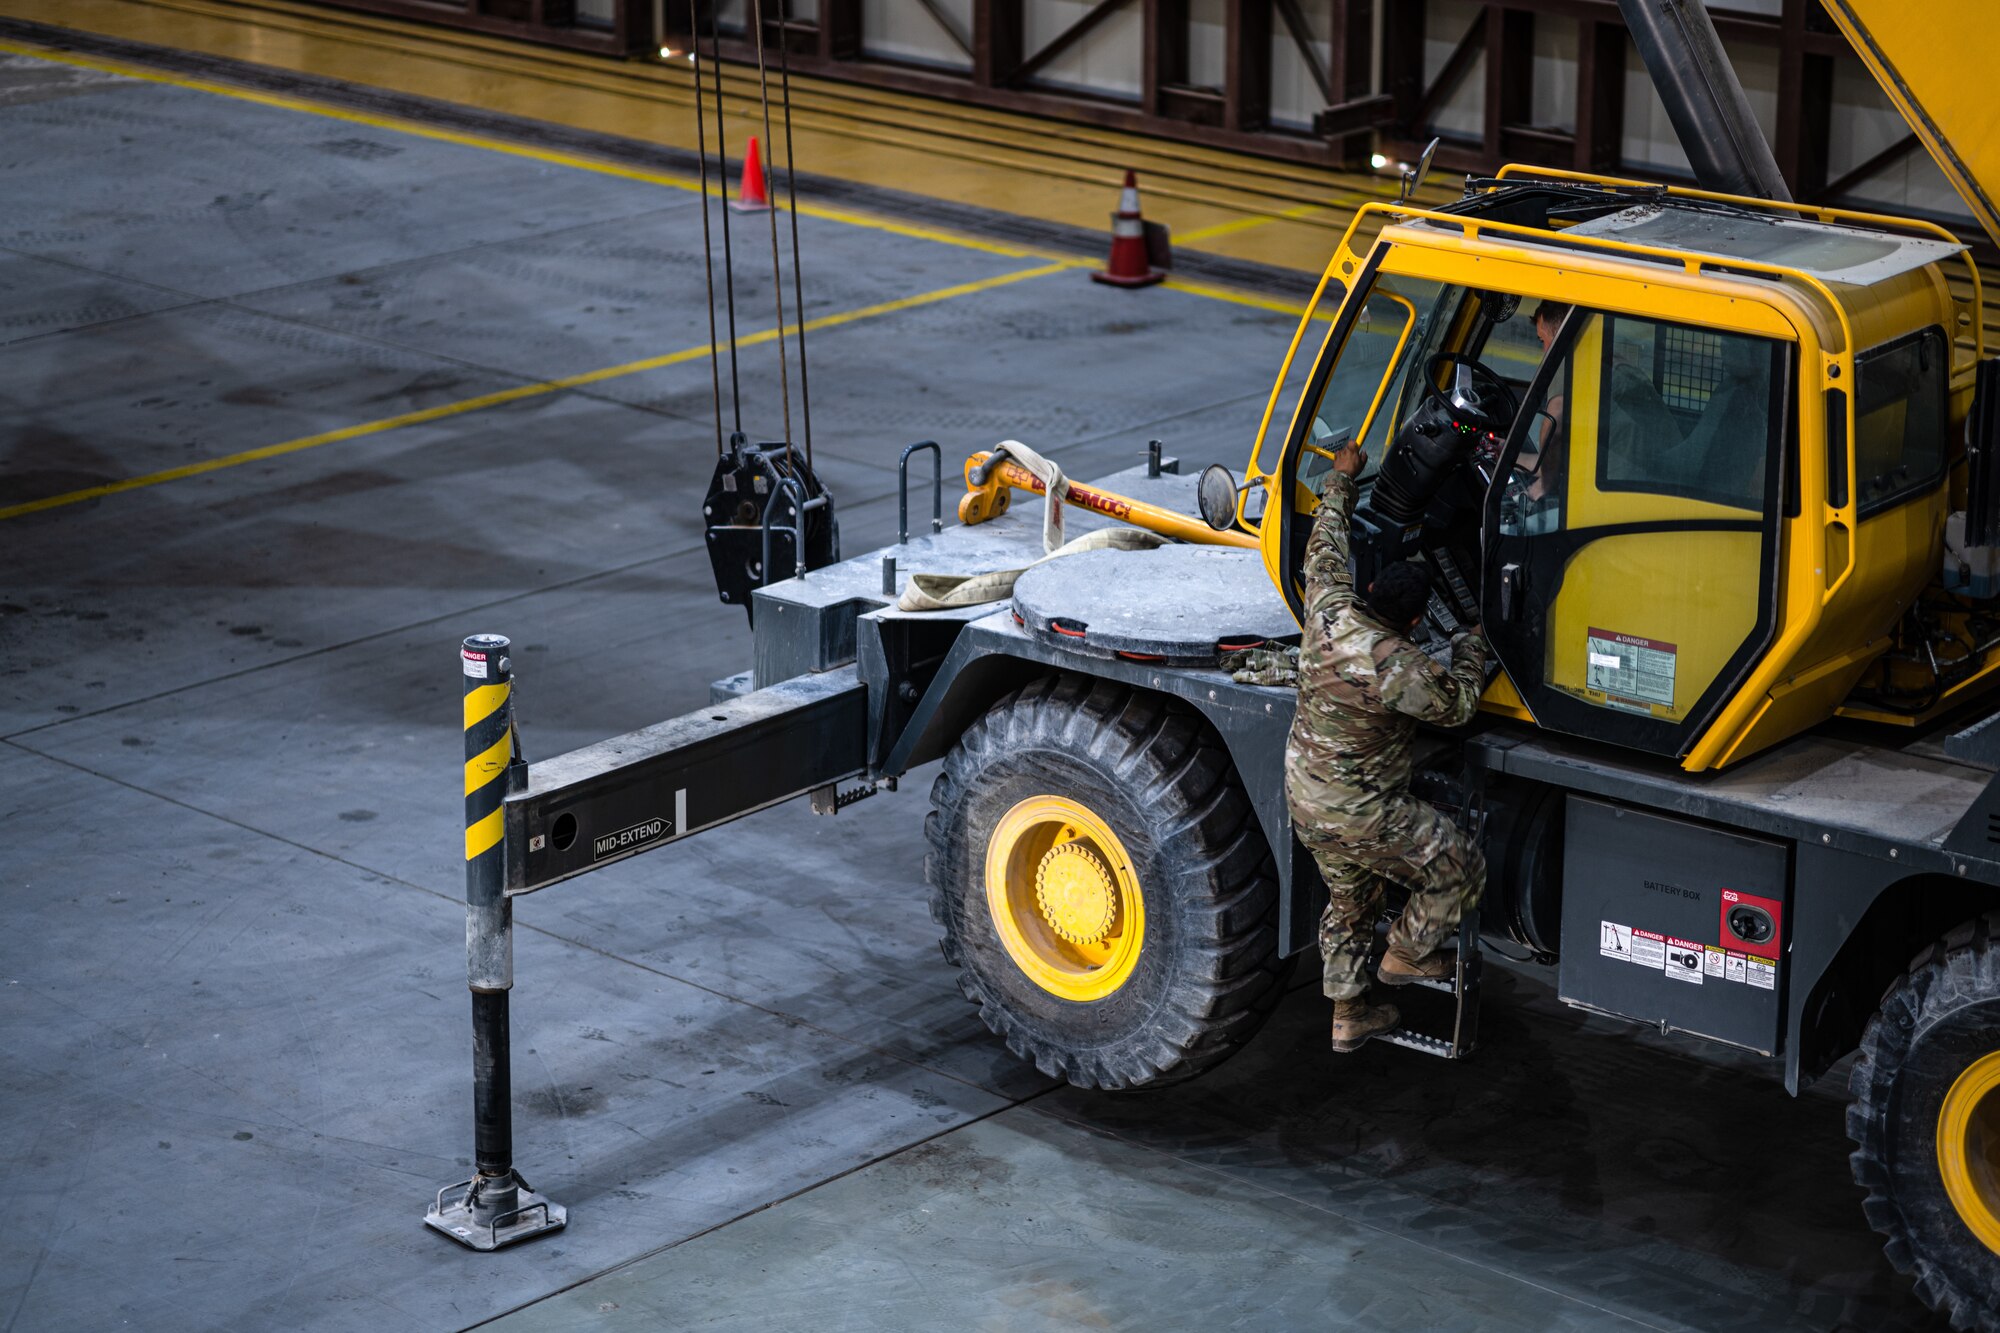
[
  {"x": 792, "y": 201},
  {"x": 707, "y": 240},
  {"x": 777, "y": 274},
  {"x": 728, "y": 256}
]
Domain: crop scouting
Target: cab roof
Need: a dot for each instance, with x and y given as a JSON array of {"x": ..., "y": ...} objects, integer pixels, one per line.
[
  {"x": 1861, "y": 251},
  {"x": 1827, "y": 251}
]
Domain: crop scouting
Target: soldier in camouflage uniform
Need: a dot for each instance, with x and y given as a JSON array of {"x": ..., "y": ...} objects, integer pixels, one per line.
[{"x": 1363, "y": 687}]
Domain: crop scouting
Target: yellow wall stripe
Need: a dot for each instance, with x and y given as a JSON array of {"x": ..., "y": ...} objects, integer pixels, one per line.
[
  {"x": 519, "y": 392},
  {"x": 483, "y": 835},
  {"x": 485, "y": 767},
  {"x": 480, "y": 703}
]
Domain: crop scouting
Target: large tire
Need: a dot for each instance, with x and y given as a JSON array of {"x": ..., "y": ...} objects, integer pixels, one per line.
[
  {"x": 1199, "y": 975},
  {"x": 1929, "y": 1073}
]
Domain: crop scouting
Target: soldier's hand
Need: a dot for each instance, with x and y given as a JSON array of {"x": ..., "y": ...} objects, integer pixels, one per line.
[{"x": 1349, "y": 461}]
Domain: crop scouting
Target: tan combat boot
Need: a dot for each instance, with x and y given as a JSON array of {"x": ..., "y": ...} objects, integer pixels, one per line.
[
  {"x": 1399, "y": 969},
  {"x": 1356, "y": 1020}
]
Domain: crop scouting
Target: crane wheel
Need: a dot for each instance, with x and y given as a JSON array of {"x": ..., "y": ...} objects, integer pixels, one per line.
[
  {"x": 1103, "y": 885},
  {"x": 1925, "y": 1119}
]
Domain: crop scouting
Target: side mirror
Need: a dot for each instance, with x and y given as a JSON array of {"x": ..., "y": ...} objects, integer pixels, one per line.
[
  {"x": 1215, "y": 494},
  {"x": 1414, "y": 177}
]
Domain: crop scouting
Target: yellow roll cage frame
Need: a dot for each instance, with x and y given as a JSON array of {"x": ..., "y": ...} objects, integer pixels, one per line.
[{"x": 1832, "y": 530}]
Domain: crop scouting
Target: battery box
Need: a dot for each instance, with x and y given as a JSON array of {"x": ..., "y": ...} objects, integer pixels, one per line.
[{"x": 1673, "y": 923}]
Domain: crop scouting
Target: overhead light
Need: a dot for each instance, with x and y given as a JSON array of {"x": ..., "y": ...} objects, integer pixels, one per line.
[{"x": 1378, "y": 161}]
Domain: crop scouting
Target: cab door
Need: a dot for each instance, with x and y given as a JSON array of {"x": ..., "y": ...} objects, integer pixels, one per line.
[
  {"x": 1631, "y": 531},
  {"x": 1364, "y": 382}
]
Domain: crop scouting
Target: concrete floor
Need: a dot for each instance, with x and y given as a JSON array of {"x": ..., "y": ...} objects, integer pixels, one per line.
[{"x": 233, "y": 1020}]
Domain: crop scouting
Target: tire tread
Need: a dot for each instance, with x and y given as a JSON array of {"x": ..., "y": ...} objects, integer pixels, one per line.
[{"x": 1228, "y": 901}]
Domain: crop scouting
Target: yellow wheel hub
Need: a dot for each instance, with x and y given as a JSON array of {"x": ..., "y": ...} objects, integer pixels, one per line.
[
  {"x": 1968, "y": 1147},
  {"x": 1075, "y": 892},
  {"x": 1064, "y": 898}
]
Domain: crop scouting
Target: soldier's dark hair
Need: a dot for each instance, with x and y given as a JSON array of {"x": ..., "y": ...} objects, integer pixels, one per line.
[{"x": 1398, "y": 594}]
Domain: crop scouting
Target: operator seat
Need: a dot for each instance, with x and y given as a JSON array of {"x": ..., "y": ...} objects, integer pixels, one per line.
[
  {"x": 1716, "y": 458},
  {"x": 1645, "y": 437}
]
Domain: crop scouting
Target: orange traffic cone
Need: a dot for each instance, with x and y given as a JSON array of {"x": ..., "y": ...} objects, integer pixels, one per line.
[
  {"x": 1130, "y": 265},
  {"x": 755, "y": 196}
]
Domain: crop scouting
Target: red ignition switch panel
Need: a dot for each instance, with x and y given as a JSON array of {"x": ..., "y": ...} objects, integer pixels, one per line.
[{"x": 1752, "y": 924}]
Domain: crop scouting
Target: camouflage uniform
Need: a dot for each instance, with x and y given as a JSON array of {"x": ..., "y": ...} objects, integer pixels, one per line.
[{"x": 1363, "y": 688}]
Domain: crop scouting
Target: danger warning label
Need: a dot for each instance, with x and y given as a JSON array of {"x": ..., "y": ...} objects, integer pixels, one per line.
[
  {"x": 1683, "y": 961},
  {"x": 1630, "y": 666}
]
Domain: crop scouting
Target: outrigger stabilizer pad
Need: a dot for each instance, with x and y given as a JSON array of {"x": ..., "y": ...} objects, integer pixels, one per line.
[{"x": 489, "y": 1212}]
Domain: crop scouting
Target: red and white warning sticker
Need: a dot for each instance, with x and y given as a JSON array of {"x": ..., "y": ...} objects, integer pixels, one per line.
[
  {"x": 1684, "y": 960},
  {"x": 1649, "y": 949},
  {"x": 475, "y": 663},
  {"x": 1630, "y": 666}
]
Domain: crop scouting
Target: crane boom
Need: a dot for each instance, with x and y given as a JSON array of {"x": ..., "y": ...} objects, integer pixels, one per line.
[{"x": 1942, "y": 87}]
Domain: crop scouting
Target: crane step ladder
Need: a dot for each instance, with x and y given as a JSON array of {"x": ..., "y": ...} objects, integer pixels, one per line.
[{"x": 1461, "y": 1033}]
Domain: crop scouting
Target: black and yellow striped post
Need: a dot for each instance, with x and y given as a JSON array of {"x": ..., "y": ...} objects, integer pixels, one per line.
[{"x": 495, "y": 1207}]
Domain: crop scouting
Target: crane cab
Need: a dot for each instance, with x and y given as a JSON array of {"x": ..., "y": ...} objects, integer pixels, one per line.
[{"x": 1684, "y": 456}]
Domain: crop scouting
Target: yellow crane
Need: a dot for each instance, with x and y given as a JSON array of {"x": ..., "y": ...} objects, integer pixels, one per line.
[{"x": 1718, "y": 473}]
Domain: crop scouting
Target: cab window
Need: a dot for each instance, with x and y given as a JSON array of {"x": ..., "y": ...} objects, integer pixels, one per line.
[
  {"x": 1650, "y": 409},
  {"x": 1684, "y": 411},
  {"x": 1397, "y": 314},
  {"x": 1900, "y": 418}
]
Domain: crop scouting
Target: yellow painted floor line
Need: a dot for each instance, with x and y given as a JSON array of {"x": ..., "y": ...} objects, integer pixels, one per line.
[
  {"x": 1234, "y": 297},
  {"x": 552, "y": 156},
  {"x": 519, "y": 392},
  {"x": 1230, "y": 228},
  {"x": 1054, "y": 263}
]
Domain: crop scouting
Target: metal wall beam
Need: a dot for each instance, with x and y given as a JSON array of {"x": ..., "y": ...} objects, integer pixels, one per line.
[
  {"x": 996, "y": 42},
  {"x": 840, "y": 29},
  {"x": 1359, "y": 117},
  {"x": 1165, "y": 64},
  {"x": 1805, "y": 103},
  {"x": 1600, "y": 95},
  {"x": 544, "y": 22},
  {"x": 1065, "y": 39}
]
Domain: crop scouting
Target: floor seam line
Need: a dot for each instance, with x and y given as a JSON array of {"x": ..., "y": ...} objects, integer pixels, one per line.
[
  {"x": 760, "y": 1208},
  {"x": 529, "y": 388},
  {"x": 675, "y": 553},
  {"x": 1320, "y": 1207},
  {"x": 791, "y": 1019},
  {"x": 233, "y": 298},
  {"x": 977, "y": 225}
]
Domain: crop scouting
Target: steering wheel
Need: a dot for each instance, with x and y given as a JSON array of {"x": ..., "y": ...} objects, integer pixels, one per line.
[{"x": 1475, "y": 394}]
